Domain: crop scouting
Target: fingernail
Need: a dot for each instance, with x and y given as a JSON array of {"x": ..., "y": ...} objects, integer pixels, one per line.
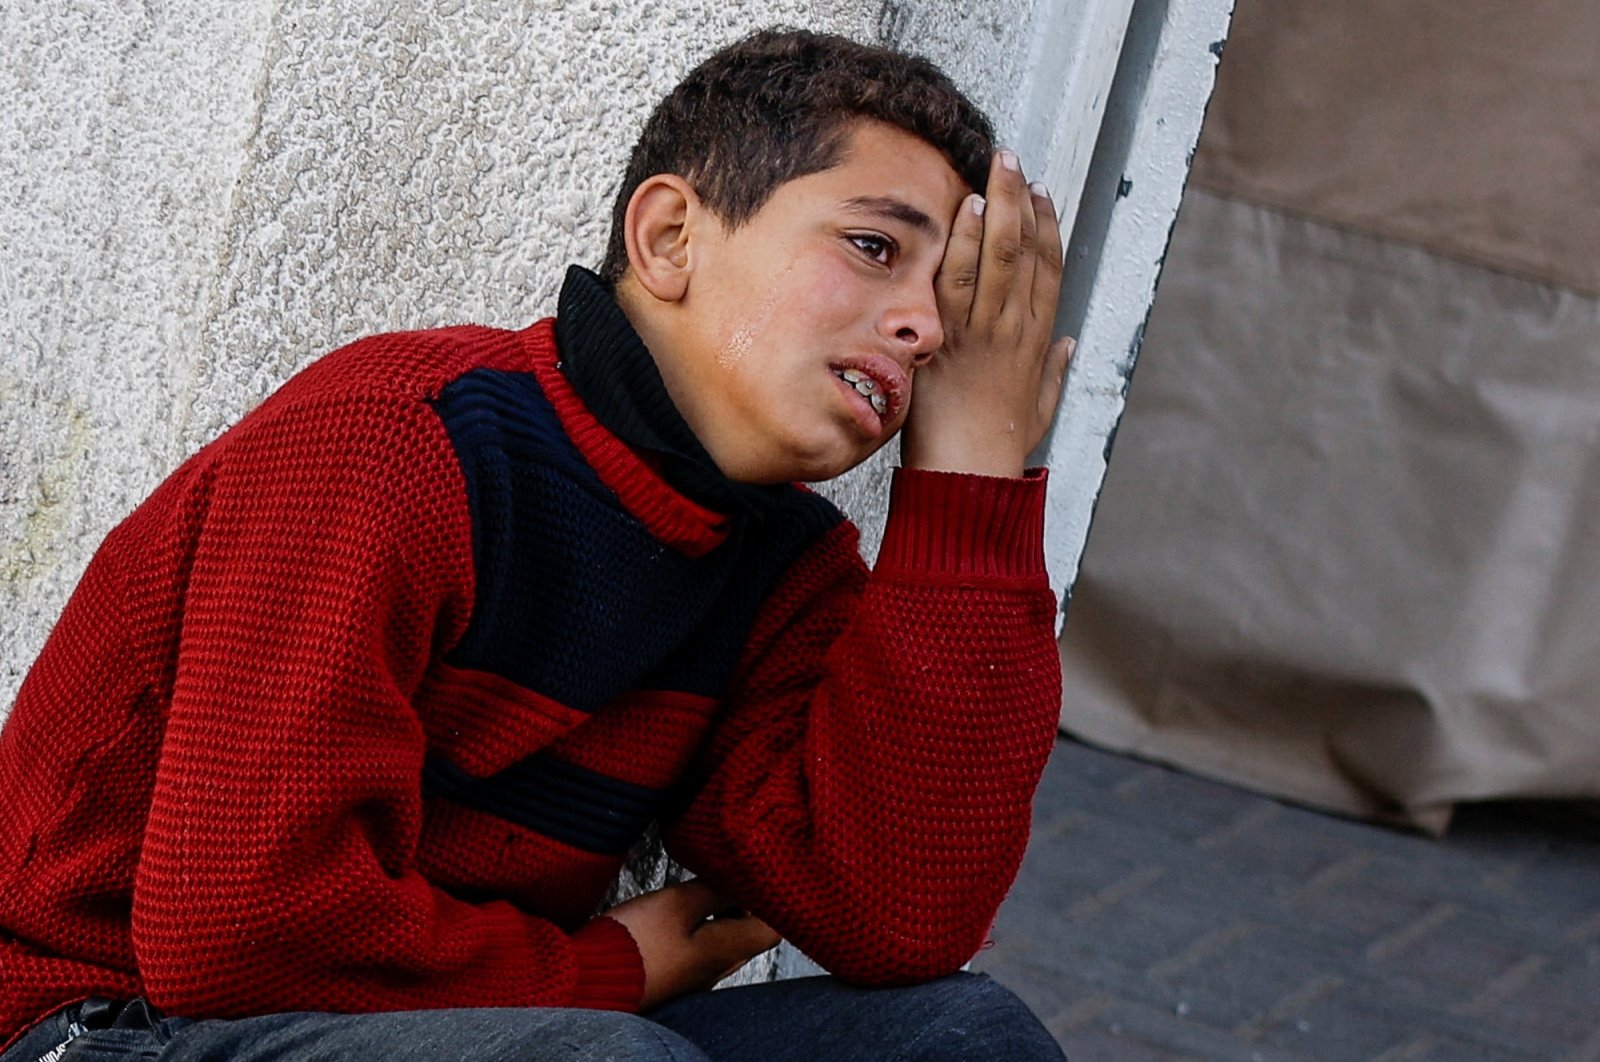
[
  {"x": 1038, "y": 189},
  {"x": 978, "y": 203},
  {"x": 1008, "y": 159}
]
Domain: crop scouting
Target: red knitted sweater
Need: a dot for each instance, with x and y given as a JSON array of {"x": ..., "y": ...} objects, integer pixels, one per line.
[{"x": 363, "y": 707}]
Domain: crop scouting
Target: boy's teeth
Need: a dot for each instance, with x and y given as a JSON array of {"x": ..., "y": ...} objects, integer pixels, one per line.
[
  {"x": 865, "y": 386},
  {"x": 859, "y": 380}
]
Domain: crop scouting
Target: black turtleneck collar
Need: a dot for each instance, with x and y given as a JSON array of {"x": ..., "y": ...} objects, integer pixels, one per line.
[{"x": 615, "y": 375}]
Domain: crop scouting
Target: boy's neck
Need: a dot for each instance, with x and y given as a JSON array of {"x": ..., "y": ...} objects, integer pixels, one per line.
[
  {"x": 610, "y": 366},
  {"x": 655, "y": 321},
  {"x": 645, "y": 314}
]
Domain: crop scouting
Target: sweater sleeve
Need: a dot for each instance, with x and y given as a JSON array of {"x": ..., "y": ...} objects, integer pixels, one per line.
[
  {"x": 869, "y": 790},
  {"x": 278, "y": 872}
]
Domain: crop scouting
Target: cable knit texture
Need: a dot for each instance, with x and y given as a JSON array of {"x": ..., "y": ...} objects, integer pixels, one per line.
[{"x": 364, "y": 707}]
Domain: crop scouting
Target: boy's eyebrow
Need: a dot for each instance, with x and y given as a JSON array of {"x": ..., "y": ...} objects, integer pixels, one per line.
[{"x": 899, "y": 209}]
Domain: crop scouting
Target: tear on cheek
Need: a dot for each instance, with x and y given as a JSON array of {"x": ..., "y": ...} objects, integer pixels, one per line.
[{"x": 737, "y": 346}]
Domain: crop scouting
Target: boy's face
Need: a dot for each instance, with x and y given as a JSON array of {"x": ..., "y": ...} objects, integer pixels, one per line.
[{"x": 799, "y": 332}]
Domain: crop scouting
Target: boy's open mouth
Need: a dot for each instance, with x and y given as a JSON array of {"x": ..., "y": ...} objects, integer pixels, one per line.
[{"x": 878, "y": 381}]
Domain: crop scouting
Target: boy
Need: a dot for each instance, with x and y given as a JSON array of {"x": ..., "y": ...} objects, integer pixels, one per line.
[{"x": 346, "y": 731}]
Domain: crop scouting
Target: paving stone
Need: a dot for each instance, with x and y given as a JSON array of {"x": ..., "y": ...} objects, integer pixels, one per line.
[
  {"x": 1361, "y": 1022},
  {"x": 1259, "y": 981},
  {"x": 1378, "y": 1018},
  {"x": 1557, "y": 1006},
  {"x": 1160, "y": 916},
  {"x": 1102, "y": 1045},
  {"x": 1186, "y": 1034}
]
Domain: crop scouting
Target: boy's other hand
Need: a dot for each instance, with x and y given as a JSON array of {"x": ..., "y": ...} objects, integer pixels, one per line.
[
  {"x": 987, "y": 398},
  {"x": 689, "y": 938}
]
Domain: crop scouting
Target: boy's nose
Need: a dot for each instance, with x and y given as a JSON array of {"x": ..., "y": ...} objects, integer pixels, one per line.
[{"x": 918, "y": 332}]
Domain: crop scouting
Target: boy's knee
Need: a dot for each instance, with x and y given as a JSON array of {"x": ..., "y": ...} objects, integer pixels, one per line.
[{"x": 975, "y": 1017}]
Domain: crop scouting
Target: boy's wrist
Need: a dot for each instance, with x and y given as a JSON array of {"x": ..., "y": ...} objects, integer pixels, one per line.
[
  {"x": 975, "y": 453},
  {"x": 1000, "y": 467}
]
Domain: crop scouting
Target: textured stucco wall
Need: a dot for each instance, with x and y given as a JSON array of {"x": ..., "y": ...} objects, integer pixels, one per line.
[{"x": 121, "y": 138}]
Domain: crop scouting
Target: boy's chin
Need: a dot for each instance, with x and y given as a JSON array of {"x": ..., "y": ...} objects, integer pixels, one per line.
[
  {"x": 802, "y": 467},
  {"x": 834, "y": 471}
]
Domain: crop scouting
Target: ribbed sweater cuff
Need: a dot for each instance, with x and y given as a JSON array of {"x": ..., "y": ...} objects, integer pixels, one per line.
[
  {"x": 610, "y": 971},
  {"x": 961, "y": 524}
]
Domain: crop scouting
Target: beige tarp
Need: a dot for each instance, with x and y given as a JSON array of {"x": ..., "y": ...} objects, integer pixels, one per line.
[
  {"x": 1349, "y": 545},
  {"x": 1471, "y": 127}
]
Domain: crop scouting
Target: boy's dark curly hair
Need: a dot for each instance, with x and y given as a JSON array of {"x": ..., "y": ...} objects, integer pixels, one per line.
[{"x": 779, "y": 104}]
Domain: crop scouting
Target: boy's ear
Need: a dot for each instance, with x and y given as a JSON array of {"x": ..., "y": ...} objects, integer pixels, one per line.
[{"x": 656, "y": 229}]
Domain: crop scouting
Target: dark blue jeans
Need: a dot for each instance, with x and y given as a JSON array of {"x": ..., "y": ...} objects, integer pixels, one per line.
[{"x": 814, "y": 1019}]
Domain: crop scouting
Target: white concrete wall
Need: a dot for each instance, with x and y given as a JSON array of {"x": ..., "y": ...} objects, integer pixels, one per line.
[{"x": 1153, "y": 104}]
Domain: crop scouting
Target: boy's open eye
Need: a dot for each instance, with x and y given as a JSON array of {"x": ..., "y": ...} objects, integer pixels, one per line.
[{"x": 878, "y": 248}]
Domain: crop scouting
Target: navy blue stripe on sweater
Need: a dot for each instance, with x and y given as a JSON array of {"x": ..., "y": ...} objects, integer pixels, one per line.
[
  {"x": 575, "y": 599},
  {"x": 561, "y": 800}
]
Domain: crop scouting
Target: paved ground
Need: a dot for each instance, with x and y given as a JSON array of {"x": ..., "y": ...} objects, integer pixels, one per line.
[{"x": 1161, "y": 916}]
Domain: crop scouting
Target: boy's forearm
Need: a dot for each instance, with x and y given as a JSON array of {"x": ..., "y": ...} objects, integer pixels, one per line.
[{"x": 870, "y": 795}]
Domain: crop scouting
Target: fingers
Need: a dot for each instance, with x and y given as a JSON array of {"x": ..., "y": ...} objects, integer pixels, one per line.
[
  {"x": 1056, "y": 361},
  {"x": 725, "y": 936},
  {"x": 958, "y": 272},
  {"x": 689, "y": 938},
  {"x": 1028, "y": 239},
  {"x": 1019, "y": 263},
  {"x": 1004, "y": 258},
  {"x": 1061, "y": 354},
  {"x": 673, "y": 912},
  {"x": 1047, "y": 255},
  {"x": 1008, "y": 241},
  {"x": 721, "y": 929}
]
